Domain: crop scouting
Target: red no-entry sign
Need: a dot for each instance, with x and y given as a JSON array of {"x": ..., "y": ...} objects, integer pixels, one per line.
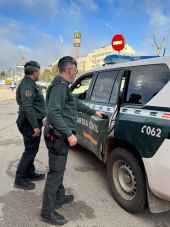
[{"x": 118, "y": 42}]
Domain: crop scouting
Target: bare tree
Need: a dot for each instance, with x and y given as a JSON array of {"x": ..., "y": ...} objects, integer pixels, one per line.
[
  {"x": 159, "y": 43},
  {"x": 2, "y": 75}
]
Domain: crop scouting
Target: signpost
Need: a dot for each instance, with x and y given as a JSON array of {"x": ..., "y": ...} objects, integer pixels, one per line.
[
  {"x": 118, "y": 42},
  {"x": 76, "y": 44},
  {"x": 77, "y": 39}
]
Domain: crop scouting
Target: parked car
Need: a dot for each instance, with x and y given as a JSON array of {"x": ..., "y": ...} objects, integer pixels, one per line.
[{"x": 133, "y": 139}]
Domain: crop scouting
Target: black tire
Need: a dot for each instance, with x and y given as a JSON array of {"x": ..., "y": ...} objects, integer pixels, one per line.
[{"x": 122, "y": 161}]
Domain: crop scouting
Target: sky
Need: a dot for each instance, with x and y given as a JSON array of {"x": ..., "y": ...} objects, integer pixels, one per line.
[{"x": 43, "y": 29}]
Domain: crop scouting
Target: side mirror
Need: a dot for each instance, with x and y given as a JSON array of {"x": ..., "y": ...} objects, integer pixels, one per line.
[{"x": 78, "y": 85}]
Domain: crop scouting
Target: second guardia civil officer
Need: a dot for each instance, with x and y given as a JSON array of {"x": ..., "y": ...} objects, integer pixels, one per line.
[
  {"x": 60, "y": 133},
  {"x": 31, "y": 113}
]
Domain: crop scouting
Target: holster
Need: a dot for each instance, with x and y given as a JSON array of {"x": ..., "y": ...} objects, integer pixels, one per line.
[
  {"x": 50, "y": 132},
  {"x": 51, "y": 136}
]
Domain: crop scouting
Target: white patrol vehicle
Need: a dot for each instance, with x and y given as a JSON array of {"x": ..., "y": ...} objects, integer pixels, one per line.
[{"x": 134, "y": 138}]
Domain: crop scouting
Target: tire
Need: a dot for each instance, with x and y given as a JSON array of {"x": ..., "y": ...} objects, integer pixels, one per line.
[{"x": 126, "y": 180}]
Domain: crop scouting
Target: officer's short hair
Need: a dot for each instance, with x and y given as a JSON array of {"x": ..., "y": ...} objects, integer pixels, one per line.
[
  {"x": 64, "y": 62},
  {"x": 30, "y": 67}
]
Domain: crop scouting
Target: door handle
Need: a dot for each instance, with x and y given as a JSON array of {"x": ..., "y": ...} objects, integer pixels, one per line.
[{"x": 104, "y": 117}]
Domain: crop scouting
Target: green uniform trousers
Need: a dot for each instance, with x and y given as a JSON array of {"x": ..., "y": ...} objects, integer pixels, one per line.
[{"x": 54, "y": 190}]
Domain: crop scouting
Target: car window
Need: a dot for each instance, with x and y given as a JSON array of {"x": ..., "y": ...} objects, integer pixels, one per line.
[
  {"x": 145, "y": 82},
  {"x": 103, "y": 87}
]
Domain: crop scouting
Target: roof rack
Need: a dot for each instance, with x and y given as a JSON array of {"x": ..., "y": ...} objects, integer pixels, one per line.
[{"x": 113, "y": 59}]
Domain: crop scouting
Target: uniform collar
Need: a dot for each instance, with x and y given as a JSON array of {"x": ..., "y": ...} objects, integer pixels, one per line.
[
  {"x": 63, "y": 80},
  {"x": 30, "y": 79}
]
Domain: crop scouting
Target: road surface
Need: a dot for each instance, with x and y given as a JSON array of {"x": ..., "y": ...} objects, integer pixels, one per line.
[{"x": 85, "y": 178}]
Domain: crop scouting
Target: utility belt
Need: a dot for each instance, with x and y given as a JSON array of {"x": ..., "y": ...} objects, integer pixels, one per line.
[{"x": 21, "y": 120}]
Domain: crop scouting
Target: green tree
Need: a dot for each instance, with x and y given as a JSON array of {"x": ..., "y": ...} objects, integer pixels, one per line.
[{"x": 49, "y": 73}]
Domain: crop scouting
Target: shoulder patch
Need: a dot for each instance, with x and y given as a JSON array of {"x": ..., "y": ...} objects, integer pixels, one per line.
[{"x": 28, "y": 93}]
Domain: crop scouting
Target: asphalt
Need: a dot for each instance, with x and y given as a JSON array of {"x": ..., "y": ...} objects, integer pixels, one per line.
[{"x": 85, "y": 177}]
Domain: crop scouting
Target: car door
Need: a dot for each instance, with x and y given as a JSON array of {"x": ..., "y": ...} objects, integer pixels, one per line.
[
  {"x": 96, "y": 132},
  {"x": 81, "y": 88}
]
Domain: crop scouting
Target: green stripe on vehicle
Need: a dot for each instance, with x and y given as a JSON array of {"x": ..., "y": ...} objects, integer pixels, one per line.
[{"x": 142, "y": 130}]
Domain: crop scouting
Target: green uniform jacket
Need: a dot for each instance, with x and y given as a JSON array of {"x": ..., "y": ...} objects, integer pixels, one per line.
[
  {"x": 31, "y": 101},
  {"x": 62, "y": 107}
]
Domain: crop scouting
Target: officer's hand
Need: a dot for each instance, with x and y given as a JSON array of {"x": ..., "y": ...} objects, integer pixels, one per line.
[
  {"x": 36, "y": 132},
  {"x": 72, "y": 140},
  {"x": 100, "y": 114}
]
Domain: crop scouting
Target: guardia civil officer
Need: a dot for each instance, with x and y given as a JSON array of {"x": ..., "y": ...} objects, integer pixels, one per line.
[
  {"x": 31, "y": 113},
  {"x": 60, "y": 133}
]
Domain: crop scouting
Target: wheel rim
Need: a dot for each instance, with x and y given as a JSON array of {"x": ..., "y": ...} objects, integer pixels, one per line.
[{"x": 124, "y": 179}]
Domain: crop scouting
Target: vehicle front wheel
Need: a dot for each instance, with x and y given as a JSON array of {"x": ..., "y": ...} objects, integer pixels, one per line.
[{"x": 127, "y": 181}]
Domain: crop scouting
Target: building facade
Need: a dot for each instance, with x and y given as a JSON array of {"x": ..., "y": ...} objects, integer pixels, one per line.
[{"x": 96, "y": 57}]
